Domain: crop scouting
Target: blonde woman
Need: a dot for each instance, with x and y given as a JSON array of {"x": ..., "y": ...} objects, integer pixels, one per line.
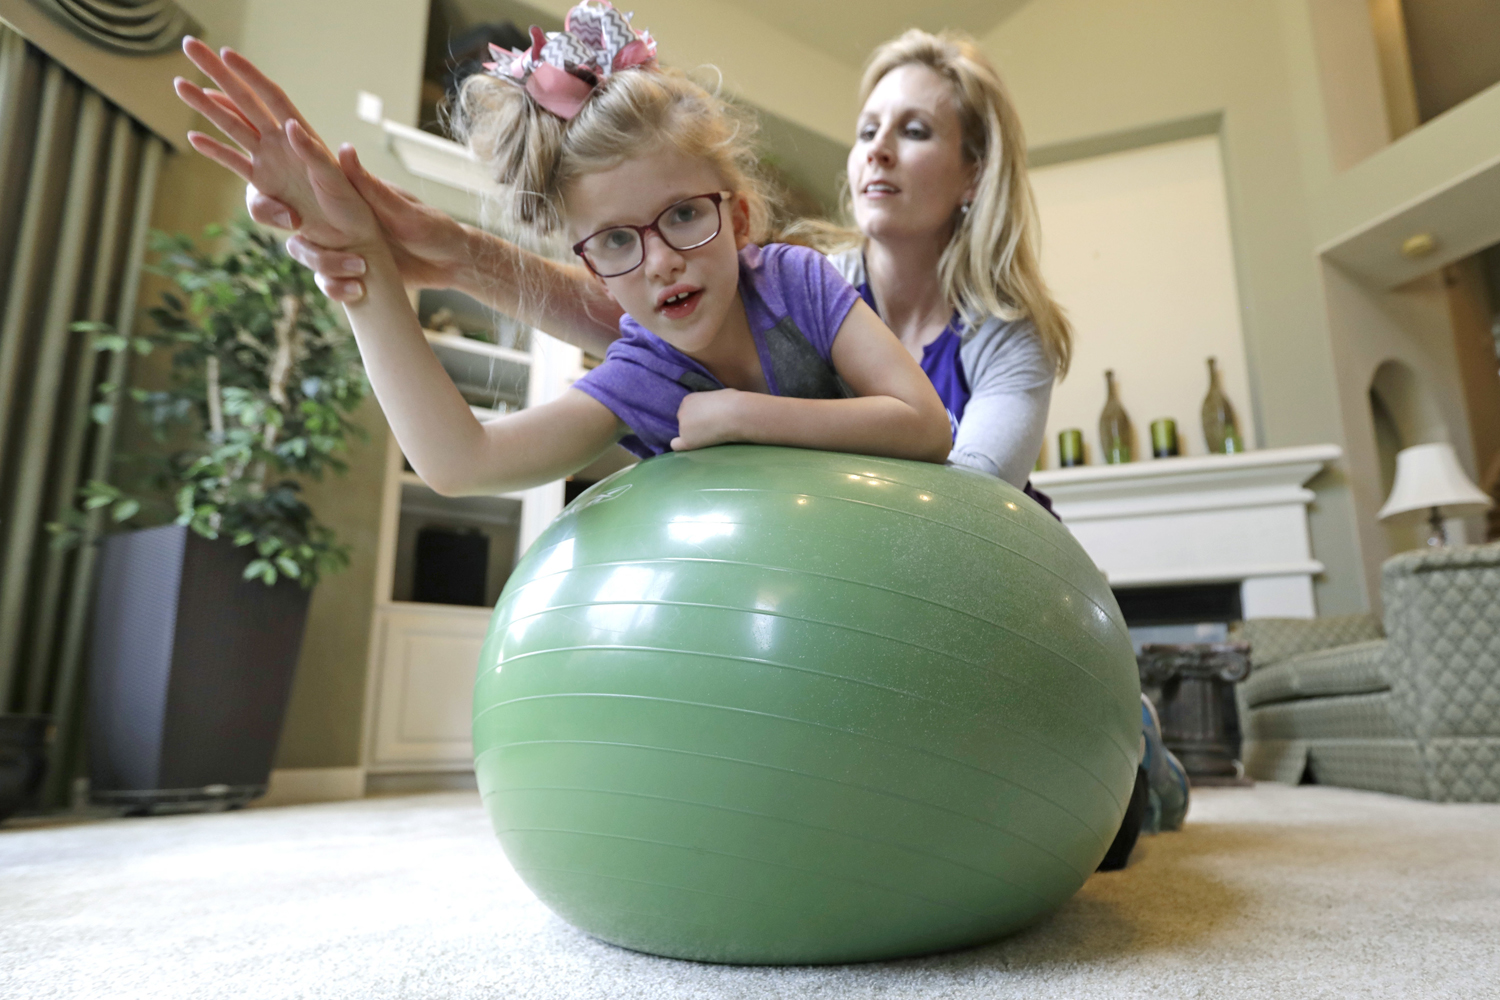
[{"x": 945, "y": 251}]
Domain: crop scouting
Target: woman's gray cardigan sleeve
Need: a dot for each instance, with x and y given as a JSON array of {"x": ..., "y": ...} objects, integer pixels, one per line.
[{"x": 1010, "y": 386}]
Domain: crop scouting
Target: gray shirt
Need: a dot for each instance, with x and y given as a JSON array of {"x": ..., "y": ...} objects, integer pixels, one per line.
[{"x": 1010, "y": 386}]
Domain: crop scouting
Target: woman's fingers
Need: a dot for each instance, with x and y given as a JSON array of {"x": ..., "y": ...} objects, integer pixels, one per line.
[
  {"x": 382, "y": 195},
  {"x": 310, "y": 149},
  {"x": 348, "y": 214},
  {"x": 255, "y": 112},
  {"x": 333, "y": 264},
  {"x": 225, "y": 156},
  {"x": 402, "y": 213},
  {"x": 270, "y": 212},
  {"x": 340, "y": 290},
  {"x": 227, "y": 119}
]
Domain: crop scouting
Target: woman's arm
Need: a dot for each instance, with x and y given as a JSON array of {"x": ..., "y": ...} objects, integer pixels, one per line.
[
  {"x": 896, "y": 412},
  {"x": 1005, "y": 420},
  {"x": 434, "y": 250}
]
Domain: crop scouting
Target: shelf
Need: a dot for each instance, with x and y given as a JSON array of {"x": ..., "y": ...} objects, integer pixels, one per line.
[
  {"x": 482, "y": 368},
  {"x": 437, "y": 612},
  {"x": 437, "y": 159}
]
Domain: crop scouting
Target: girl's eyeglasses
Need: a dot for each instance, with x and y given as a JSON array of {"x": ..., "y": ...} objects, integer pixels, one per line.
[{"x": 687, "y": 225}]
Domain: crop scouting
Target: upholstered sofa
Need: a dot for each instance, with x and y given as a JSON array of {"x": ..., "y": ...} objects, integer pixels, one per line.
[{"x": 1412, "y": 708}]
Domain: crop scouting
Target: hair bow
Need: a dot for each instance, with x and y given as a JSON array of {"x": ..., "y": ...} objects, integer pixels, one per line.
[{"x": 562, "y": 68}]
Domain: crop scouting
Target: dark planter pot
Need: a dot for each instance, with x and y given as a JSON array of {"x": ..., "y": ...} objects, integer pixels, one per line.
[
  {"x": 190, "y": 671},
  {"x": 23, "y": 759}
]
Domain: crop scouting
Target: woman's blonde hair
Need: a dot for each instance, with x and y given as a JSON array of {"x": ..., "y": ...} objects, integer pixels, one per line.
[
  {"x": 991, "y": 266},
  {"x": 533, "y": 155}
]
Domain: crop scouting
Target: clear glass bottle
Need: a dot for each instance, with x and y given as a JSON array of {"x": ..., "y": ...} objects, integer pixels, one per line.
[
  {"x": 1116, "y": 436},
  {"x": 1220, "y": 430}
]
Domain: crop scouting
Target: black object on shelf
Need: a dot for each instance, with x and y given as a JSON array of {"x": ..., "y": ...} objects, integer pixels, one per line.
[
  {"x": 190, "y": 672},
  {"x": 1192, "y": 687},
  {"x": 452, "y": 566},
  {"x": 23, "y": 759}
]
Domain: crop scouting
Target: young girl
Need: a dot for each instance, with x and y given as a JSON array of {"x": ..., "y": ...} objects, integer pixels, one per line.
[{"x": 650, "y": 180}]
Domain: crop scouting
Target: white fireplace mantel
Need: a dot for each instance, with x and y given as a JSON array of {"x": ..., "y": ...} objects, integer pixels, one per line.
[{"x": 1203, "y": 519}]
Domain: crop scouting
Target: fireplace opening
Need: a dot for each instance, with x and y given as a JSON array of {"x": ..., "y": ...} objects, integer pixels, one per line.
[{"x": 1183, "y": 613}]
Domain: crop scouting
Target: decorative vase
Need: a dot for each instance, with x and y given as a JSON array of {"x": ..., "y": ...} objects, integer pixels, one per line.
[
  {"x": 1220, "y": 431},
  {"x": 1115, "y": 432}
]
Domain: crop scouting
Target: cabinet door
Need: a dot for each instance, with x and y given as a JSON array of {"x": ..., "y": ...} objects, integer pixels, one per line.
[{"x": 428, "y": 656}]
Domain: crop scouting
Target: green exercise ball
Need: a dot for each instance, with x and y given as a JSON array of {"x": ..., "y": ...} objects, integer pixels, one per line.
[{"x": 775, "y": 706}]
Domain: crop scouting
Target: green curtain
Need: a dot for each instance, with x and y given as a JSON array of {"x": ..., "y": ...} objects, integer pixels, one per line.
[{"x": 77, "y": 178}]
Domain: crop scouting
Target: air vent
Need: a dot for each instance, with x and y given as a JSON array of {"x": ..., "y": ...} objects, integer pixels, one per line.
[{"x": 139, "y": 27}]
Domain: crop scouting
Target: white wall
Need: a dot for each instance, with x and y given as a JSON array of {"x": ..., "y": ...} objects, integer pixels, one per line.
[{"x": 1136, "y": 246}]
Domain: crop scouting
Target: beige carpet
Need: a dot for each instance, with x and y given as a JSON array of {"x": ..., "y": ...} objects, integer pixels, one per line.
[{"x": 1271, "y": 892}]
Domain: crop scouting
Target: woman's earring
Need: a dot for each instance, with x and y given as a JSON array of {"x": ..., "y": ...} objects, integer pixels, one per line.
[{"x": 964, "y": 208}]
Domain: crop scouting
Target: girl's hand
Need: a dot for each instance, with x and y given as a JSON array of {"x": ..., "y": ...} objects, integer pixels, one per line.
[
  {"x": 278, "y": 151},
  {"x": 428, "y": 245},
  {"x": 705, "y": 419}
]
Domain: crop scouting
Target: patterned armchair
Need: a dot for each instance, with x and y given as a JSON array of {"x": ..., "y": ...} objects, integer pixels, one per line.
[{"x": 1414, "y": 710}]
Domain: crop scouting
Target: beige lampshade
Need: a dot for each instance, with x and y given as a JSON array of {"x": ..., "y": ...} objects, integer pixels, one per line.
[{"x": 1427, "y": 476}]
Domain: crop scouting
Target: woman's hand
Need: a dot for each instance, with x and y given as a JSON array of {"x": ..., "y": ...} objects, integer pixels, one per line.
[
  {"x": 428, "y": 245},
  {"x": 705, "y": 419},
  {"x": 278, "y": 151}
]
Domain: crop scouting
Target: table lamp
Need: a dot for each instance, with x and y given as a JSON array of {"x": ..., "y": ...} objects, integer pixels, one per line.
[{"x": 1428, "y": 477}]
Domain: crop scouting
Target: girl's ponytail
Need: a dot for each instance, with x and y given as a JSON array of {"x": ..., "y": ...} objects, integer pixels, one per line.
[
  {"x": 585, "y": 99},
  {"x": 521, "y": 144}
]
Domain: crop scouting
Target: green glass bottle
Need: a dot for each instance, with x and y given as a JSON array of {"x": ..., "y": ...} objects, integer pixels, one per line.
[
  {"x": 1115, "y": 433},
  {"x": 1220, "y": 431}
]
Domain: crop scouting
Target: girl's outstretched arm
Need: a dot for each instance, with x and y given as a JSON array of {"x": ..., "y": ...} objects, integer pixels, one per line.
[
  {"x": 451, "y": 450},
  {"x": 896, "y": 412},
  {"x": 433, "y": 425},
  {"x": 433, "y": 250}
]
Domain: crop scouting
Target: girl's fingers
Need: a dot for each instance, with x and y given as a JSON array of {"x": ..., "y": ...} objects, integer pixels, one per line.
[
  {"x": 266, "y": 89},
  {"x": 229, "y": 82},
  {"x": 226, "y": 119},
  {"x": 268, "y": 211},
  {"x": 224, "y": 102},
  {"x": 225, "y": 156},
  {"x": 332, "y": 264}
]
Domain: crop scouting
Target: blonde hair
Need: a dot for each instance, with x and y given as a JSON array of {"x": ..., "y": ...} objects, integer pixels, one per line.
[
  {"x": 533, "y": 155},
  {"x": 991, "y": 266}
]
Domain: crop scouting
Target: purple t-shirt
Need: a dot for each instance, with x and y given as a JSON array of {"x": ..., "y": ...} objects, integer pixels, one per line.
[
  {"x": 795, "y": 301},
  {"x": 942, "y": 364}
]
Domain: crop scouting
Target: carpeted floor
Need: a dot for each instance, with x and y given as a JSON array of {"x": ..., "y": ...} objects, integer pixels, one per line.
[{"x": 1269, "y": 892}]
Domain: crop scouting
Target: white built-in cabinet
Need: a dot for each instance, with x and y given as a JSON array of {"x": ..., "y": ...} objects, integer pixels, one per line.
[{"x": 423, "y": 655}]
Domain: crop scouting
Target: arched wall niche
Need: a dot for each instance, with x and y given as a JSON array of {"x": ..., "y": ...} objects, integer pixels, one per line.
[
  {"x": 1403, "y": 414},
  {"x": 1409, "y": 405}
]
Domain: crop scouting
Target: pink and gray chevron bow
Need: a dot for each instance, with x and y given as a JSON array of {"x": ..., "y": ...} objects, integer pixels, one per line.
[{"x": 562, "y": 68}]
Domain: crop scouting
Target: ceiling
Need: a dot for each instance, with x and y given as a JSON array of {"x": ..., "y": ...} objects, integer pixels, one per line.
[
  {"x": 848, "y": 30},
  {"x": 1455, "y": 51}
]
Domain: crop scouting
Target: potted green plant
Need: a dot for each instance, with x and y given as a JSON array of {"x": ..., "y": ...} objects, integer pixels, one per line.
[{"x": 200, "y": 608}]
